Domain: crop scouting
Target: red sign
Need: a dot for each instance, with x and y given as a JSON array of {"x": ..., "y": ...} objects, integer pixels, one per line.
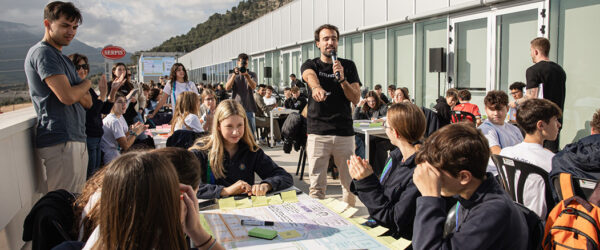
[{"x": 113, "y": 52}]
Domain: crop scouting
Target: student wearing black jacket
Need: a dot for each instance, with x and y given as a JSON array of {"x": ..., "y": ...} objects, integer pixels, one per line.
[
  {"x": 391, "y": 198},
  {"x": 231, "y": 157},
  {"x": 452, "y": 162}
]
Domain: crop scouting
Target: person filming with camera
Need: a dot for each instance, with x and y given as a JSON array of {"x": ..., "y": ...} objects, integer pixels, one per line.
[{"x": 242, "y": 81}]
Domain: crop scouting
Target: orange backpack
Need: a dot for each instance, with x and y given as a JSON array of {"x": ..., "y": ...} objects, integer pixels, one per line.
[{"x": 573, "y": 222}]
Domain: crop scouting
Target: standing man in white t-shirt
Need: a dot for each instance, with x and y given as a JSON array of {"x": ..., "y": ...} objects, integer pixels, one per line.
[
  {"x": 178, "y": 76},
  {"x": 498, "y": 133},
  {"x": 540, "y": 120}
]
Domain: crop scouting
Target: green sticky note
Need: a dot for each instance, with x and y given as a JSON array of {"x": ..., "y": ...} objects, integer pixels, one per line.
[
  {"x": 289, "y": 196},
  {"x": 379, "y": 230},
  {"x": 401, "y": 244},
  {"x": 349, "y": 212},
  {"x": 274, "y": 200},
  {"x": 356, "y": 124},
  {"x": 375, "y": 124},
  {"x": 243, "y": 203},
  {"x": 227, "y": 203},
  {"x": 262, "y": 233},
  {"x": 259, "y": 201},
  {"x": 289, "y": 234},
  {"x": 205, "y": 224}
]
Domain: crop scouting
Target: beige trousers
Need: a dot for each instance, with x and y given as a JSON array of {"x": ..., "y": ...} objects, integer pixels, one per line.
[
  {"x": 65, "y": 165},
  {"x": 319, "y": 149}
]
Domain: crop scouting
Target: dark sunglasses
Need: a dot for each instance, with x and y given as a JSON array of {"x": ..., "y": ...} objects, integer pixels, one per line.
[{"x": 84, "y": 66}]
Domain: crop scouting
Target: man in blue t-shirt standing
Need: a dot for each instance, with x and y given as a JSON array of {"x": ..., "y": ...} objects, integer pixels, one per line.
[{"x": 59, "y": 97}]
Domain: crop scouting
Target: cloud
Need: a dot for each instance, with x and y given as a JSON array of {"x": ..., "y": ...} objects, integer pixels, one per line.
[{"x": 134, "y": 25}]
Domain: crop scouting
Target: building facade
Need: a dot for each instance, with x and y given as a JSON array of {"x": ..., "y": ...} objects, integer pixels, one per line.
[{"x": 486, "y": 42}]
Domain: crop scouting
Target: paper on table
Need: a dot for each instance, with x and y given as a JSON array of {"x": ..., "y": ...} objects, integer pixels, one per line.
[
  {"x": 289, "y": 196},
  {"x": 259, "y": 201},
  {"x": 227, "y": 203},
  {"x": 205, "y": 224},
  {"x": 349, "y": 212},
  {"x": 379, "y": 230},
  {"x": 243, "y": 203},
  {"x": 401, "y": 244},
  {"x": 274, "y": 199},
  {"x": 289, "y": 234},
  {"x": 338, "y": 206}
]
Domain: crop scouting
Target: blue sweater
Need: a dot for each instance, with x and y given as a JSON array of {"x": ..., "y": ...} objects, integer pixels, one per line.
[
  {"x": 391, "y": 202},
  {"x": 242, "y": 166},
  {"x": 488, "y": 220}
]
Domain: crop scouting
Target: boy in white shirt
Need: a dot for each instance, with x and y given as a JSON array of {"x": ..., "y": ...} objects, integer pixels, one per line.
[
  {"x": 539, "y": 119},
  {"x": 498, "y": 133}
]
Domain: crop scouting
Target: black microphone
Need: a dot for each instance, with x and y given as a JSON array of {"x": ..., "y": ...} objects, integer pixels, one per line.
[{"x": 334, "y": 58}]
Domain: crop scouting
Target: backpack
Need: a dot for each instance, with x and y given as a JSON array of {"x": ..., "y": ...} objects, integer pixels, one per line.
[{"x": 573, "y": 222}]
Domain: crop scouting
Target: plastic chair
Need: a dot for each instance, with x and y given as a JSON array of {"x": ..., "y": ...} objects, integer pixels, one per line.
[
  {"x": 459, "y": 116},
  {"x": 583, "y": 187},
  {"x": 507, "y": 168}
]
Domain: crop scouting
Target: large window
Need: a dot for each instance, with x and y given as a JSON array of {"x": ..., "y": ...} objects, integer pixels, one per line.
[
  {"x": 354, "y": 51},
  {"x": 400, "y": 57},
  {"x": 471, "y": 54},
  {"x": 276, "y": 73},
  {"x": 375, "y": 66},
  {"x": 432, "y": 34}
]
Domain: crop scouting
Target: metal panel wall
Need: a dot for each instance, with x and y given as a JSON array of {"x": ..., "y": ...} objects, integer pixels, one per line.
[
  {"x": 319, "y": 17},
  {"x": 307, "y": 18},
  {"x": 277, "y": 31},
  {"x": 353, "y": 14},
  {"x": 268, "y": 31},
  {"x": 335, "y": 8},
  {"x": 399, "y": 9},
  {"x": 262, "y": 39},
  {"x": 297, "y": 23},
  {"x": 430, "y": 5},
  {"x": 375, "y": 12},
  {"x": 285, "y": 25}
]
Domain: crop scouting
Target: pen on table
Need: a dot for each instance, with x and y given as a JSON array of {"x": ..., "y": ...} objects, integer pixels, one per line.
[{"x": 257, "y": 223}]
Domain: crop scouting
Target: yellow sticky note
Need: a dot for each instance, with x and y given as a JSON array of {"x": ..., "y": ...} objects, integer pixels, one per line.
[
  {"x": 359, "y": 220},
  {"x": 243, "y": 203},
  {"x": 349, "y": 212},
  {"x": 227, "y": 203},
  {"x": 205, "y": 224},
  {"x": 326, "y": 201},
  {"x": 289, "y": 234},
  {"x": 274, "y": 200},
  {"x": 379, "y": 230},
  {"x": 259, "y": 201},
  {"x": 338, "y": 206},
  {"x": 289, "y": 196},
  {"x": 387, "y": 239},
  {"x": 401, "y": 244}
]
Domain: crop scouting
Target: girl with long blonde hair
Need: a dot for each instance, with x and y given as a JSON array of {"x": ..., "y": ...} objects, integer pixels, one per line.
[
  {"x": 232, "y": 157},
  {"x": 186, "y": 113}
]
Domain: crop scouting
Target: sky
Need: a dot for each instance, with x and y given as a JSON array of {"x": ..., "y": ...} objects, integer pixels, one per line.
[{"x": 132, "y": 24}]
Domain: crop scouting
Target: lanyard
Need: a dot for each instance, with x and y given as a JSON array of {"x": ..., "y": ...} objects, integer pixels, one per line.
[
  {"x": 456, "y": 226},
  {"x": 173, "y": 93},
  {"x": 388, "y": 165}
]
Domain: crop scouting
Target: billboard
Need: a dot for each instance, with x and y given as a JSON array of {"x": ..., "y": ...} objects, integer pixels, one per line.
[{"x": 156, "y": 66}]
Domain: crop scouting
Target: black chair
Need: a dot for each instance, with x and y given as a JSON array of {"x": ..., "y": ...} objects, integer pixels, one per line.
[
  {"x": 507, "y": 168},
  {"x": 50, "y": 221},
  {"x": 183, "y": 138},
  {"x": 582, "y": 187},
  {"x": 301, "y": 161},
  {"x": 459, "y": 116}
]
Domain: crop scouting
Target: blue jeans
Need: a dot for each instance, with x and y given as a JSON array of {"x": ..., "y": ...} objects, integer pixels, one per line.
[
  {"x": 252, "y": 122},
  {"x": 94, "y": 155}
]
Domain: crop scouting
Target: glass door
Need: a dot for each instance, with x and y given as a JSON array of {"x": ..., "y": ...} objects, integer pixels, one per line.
[{"x": 291, "y": 61}]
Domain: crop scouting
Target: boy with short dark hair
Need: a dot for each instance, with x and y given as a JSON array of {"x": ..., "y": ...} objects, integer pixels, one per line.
[
  {"x": 452, "y": 162},
  {"x": 539, "y": 119},
  {"x": 445, "y": 105},
  {"x": 516, "y": 91},
  {"x": 498, "y": 133},
  {"x": 464, "y": 97},
  {"x": 379, "y": 91}
]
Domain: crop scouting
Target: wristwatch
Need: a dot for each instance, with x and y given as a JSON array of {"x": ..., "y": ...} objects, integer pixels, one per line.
[
  {"x": 131, "y": 132},
  {"x": 342, "y": 80}
]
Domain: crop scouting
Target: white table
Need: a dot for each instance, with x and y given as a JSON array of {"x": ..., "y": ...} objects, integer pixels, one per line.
[
  {"x": 276, "y": 112},
  {"x": 160, "y": 141},
  {"x": 364, "y": 128}
]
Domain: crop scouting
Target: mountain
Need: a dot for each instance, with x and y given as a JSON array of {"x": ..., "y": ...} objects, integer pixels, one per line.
[
  {"x": 17, "y": 38},
  {"x": 218, "y": 25}
]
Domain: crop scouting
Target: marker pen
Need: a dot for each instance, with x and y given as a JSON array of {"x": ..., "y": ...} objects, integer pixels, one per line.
[{"x": 257, "y": 223}]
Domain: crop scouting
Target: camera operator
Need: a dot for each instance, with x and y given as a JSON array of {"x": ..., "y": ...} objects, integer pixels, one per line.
[{"x": 242, "y": 81}]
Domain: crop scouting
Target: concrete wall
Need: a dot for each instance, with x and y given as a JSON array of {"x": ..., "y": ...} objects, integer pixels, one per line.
[{"x": 18, "y": 182}]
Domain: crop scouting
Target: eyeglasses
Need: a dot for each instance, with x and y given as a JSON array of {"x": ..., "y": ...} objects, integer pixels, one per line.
[
  {"x": 84, "y": 66},
  {"x": 385, "y": 125}
]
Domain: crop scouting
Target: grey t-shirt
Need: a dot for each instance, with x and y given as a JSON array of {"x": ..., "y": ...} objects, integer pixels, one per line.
[
  {"x": 242, "y": 93},
  {"x": 57, "y": 122}
]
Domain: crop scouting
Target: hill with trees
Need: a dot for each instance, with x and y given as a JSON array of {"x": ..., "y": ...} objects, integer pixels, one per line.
[{"x": 218, "y": 25}]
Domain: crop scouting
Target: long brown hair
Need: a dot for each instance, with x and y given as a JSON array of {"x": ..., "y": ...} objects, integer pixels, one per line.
[
  {"x": 407, "y": 120},
  {"x": 187, "y": 103},
  {"x": 378, "y": 101},
  {"x": 213, "y": 143},
  {"x": 127, "y": 85},
  {"x": 90, "y": 221},
  {"x": 143, "y": 211},
  {"x": 186, "y": 164},
  {"x": 173, "y": 75}
]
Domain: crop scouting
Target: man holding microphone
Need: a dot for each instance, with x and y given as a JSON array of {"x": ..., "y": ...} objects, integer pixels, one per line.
[{"x": 334, "y": 84}]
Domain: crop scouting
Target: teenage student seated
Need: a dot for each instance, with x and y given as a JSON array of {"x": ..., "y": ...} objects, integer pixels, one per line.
[
  {"x": 185, "y": 116},
  {"x": 116, "y": 133},
  {"x": 464, "y": 98},
  {"x": 370, "y": 108},
  {"x": 391, "y": 198},
  {"x": 143, "y": 206},
  {"x": 499, "y": 134},
  {"x": 452, "y": 162},
  {"x": 230, "y": 157},
  {"x": 539, "y": 119}
]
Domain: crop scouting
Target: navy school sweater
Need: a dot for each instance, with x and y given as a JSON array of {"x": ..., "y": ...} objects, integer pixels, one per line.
[
  {"x": 488, "y": 220},
  {"x": 242, "y": 166},
  {"x": 391, "y": 202}
]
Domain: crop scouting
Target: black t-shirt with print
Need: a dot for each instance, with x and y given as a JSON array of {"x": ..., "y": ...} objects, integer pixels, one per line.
[
  {"x": 334, "y": 115},
  {"x": 552, "y": 77}
]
